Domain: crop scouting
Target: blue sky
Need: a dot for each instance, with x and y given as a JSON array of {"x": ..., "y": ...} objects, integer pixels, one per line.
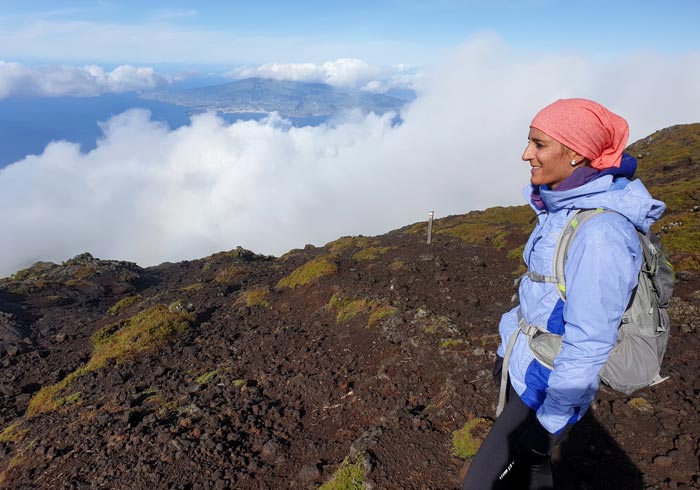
[{"x": 384, "y": 31}]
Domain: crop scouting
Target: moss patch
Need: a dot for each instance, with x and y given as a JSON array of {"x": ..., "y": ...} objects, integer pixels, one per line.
[
  {"x": 124, "y": 304},
  {"x": 229, "y": 274},
  {"x": 477, "y": 232},
  {"x": 72, "y": 399},
  {"x": 466, "y": 441},
  {"x": 397, "y": 265},
  {"x": 196, "y": 286},
  {"x": 347, "y": 242},
  {"x": 667, "y": 164},
  {"x": 347, "y": 308},
  {"x": 370, "y": 253},
  {"x": 379, "y": 311},
  {"x": 307, "y": 273},
  {"x": 348, "y": 476},
  {"x": 641, "y": 404},
  {"x": 516, "y": 253},
  {"x": 254, "y": 297},
  {"x": 13, "y": 432},
  {"x": 206, "y": 377},
  {"x": 143, "y": 332},
  {"x": 446, "y": 344}
]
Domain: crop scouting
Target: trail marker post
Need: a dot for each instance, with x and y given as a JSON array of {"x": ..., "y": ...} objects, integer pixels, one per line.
[{"x": 431, "y": 214}]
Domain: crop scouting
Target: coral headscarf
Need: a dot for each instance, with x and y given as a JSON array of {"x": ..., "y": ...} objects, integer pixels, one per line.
[{"x": 586, "y": 127}]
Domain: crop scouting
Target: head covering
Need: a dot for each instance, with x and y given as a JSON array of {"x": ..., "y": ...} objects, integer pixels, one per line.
[{"x": 586, "y": 127}]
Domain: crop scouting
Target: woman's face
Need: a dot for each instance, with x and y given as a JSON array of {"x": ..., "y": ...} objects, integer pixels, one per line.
[{"x": 550, "y": 161}]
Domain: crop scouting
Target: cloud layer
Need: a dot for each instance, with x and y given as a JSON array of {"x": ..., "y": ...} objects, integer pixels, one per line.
[
  {"x": 150, "y": 194},
  {"x": 344, "y": 72},
  {"x": 20, "y": 80}
]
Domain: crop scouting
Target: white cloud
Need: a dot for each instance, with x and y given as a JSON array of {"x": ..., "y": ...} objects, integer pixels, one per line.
[
  {"x": 151, "y": 194},
  {"x": 344, "y": 72},
  {"x": 17, "y": 79}
]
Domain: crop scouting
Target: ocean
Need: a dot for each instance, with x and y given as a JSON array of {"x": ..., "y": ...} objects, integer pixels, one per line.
[{"x": 27, "y": 125}]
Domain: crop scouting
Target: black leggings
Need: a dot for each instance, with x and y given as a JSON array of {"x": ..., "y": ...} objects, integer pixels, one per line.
[{"x": 498, "y": 464}]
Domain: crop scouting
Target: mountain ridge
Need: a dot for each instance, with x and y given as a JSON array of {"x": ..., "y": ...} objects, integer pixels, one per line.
[{"x": 289, "y": 98}]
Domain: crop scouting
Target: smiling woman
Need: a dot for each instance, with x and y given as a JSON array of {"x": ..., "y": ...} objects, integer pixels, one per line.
[
  {"x": 550, "y": 161},
  {"x": 575, "y": 150}
]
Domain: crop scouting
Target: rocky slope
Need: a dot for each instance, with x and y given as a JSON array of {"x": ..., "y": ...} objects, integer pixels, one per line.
[{"x": 353, "y": 362}]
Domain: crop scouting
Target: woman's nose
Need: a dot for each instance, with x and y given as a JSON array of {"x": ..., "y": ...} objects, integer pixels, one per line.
[{"x": 527, "y": 154}]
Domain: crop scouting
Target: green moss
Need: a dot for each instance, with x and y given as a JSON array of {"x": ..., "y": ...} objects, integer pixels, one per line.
[
  {"x": 641, "y": 404},
  {"x": 397, "y": 265},
  {"x": 229, "y": 274},
  {"x": 477, "y": 232},
  {"x": 667, "y": 163},
  {"x": 490, "y": 339},
  {"x": 466, "y": 441},
  {"x": 348, "y": 476},
  {"x": 498, "y": 225},
  {"x": 254, "y": 297},
  {"x": 76, "y": 282},
  {"x": 143, "y": 332},
  {"x": 30, "y": 286},
  {"x": 71, "y": 399},
  {"x": 446, "y": 344},
  {"x": 307, "y": 273},
  {"x": 370, "y": 253},
  {"x": 379, "y": 311},
  {"x": 345, "y": 243},
  {"x": 179, "y": 305},
  {"x": 13, "y": 432},
  {"x": 516, "y": 253},
  {"x": 16, "y": 460},
  {"x": 420, "y": 227},
  {"x": 47, "y": 399},
  {"x": 35, "y": 271},
  {"x": 85, "y": 272},
  {"x": 681, "y": 241},
  {"x": 123, "y": 304},
  {"x": 193, "y": 287},
  {"x": 347, "y": 308},
  {"x": 239, "y": 382},
  {"x": 206, "y": 377}
]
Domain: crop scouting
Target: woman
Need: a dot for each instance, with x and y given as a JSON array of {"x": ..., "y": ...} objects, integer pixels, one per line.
[{"x": 575, "y": 153}]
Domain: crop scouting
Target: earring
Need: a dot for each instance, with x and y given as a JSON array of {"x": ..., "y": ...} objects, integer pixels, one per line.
[{"x": 573, "y": 162}]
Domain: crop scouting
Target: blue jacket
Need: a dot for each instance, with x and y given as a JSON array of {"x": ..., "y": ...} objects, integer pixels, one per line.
[{"x": 601, "y": 272}]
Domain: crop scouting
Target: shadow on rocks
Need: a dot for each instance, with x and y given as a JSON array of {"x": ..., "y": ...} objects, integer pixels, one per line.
[{"x": 590, "y": 459}]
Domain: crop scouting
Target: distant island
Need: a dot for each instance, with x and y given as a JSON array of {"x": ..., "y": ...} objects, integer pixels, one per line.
[{"x": 288, "y": 98}]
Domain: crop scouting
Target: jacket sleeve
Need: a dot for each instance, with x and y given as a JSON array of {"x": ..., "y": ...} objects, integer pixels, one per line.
[{"x": 601, "y": 273}]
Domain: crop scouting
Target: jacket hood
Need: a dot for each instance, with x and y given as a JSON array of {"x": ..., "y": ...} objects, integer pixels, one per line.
[{"x": 629, "y": 198}]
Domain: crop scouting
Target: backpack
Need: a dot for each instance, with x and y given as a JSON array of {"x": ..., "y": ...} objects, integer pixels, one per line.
[{"x": 635, "y": 361}]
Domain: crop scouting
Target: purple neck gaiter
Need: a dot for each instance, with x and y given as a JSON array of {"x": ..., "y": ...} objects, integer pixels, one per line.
[{"x": 580, "y": 176}]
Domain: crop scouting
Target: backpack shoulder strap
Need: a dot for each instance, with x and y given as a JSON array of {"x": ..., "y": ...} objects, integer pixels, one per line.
[{"x": 578, "y": 218}]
